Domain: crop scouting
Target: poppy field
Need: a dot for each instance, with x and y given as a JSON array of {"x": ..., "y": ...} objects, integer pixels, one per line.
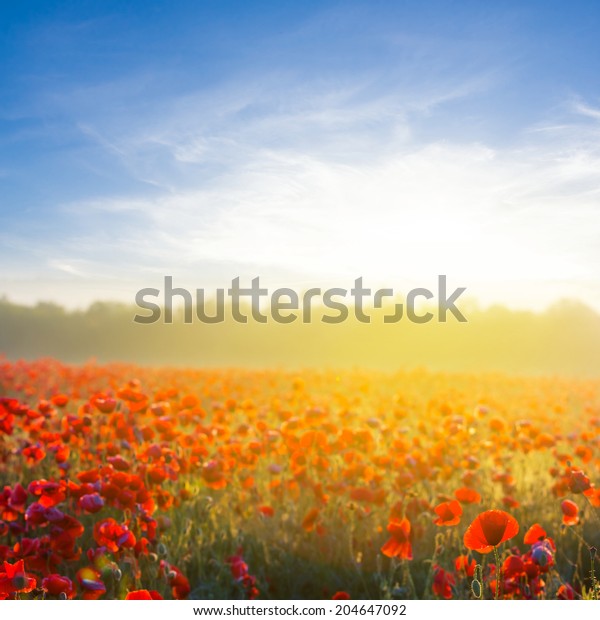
[{"x": 122, "y": 482}]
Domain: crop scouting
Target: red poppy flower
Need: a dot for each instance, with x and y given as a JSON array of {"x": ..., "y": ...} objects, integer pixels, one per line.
[
  {"x": 91, "y": 503},
  {"x": 266, "y": 511},
  {"x": 56, "y": 585},
  {"x": 110, "y": 534},
  {"x": 593, "y": 495},
  {"x": 508, "y": 501},
  {"x": 449, "y": 513},
  {"x": 13, "y": 579},
  {"x": 534, "y": 534},
  {"x": 462, "y": 563},
  {"x": 341, "y": 596},
  {"x": 143, "y": 595},
  {"x": 398, "y": 546},
  {"x": 442, "y": 582},
  {"x": 513, "y": 567},
  {"x": 570, "y": 512},
  {"x": 239, "y": 568},
  {"x": 180, "y": 586},
  {"x": 490, "y": 529},
  {"x": 105, "y": 405},
  {"x": 310, "y": 520},
  {"x": 59, "y": 400},
  {"x": 467, "y": 496},
  {"x": 579, "y": 482}
]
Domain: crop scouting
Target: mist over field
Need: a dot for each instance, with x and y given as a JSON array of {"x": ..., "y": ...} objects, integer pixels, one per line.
[{"x": 565, "y": 338}]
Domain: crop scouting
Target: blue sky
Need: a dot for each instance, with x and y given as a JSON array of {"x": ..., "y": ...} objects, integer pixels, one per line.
[{"x": 305, "y": 142}]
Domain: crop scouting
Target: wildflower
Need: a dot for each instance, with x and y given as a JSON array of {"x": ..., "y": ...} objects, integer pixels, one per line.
[
  {"x": 442, "y": 582},
  {"x": 310, "y": 520},
  {"x": 399, "y": 545},
  {"x": 110, "y": 534},
  {"x": 91, "y": 503},
  {"x": 14, "y": 579},
  {"x": 579, "y": 482},
  {"x": 449, "y": 513},
  {"x": 534, "y": 534},
  {"x": 467, "y": 496},
  {"x": 55, "y": 585},
  {"x": 490, "y": 529},
  {"x": 570, "y": 512},
  {"x": 143, "y": 595}
]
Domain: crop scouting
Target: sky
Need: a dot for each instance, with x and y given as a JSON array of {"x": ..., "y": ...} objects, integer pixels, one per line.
[{"x": 307, "y": 143}]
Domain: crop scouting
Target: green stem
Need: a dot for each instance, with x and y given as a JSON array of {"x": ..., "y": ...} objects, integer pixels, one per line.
[{"x": 497, "y": 594}]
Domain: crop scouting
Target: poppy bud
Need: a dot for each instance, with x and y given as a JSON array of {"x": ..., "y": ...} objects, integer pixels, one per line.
[
  {"x": 476, "y": 588},
  {"x": 593, "y": 551}
]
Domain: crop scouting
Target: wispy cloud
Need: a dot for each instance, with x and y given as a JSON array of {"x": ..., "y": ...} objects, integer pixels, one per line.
[{"x": 497, "y": 219}]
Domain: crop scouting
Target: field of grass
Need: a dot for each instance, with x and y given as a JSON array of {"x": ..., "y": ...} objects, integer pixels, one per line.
[{"x": 233, "y": 484}]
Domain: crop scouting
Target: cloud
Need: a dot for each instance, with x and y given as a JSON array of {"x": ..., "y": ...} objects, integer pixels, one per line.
[{"x": 516, "y": 224}]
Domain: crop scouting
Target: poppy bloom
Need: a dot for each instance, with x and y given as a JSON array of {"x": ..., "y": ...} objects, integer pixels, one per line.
[
  {"x": 570, "y": 512},
  {"x": 509, "y": 501},
  {"x": 91, "y": 503},
  {"x": 13, "y": 578},
  {"x": 239, "y": 568},
  {"x": 490, "y": 529},
  {"x": 593, "y": 495},
  {"x": 180, "y": 586},
  {"x": 398, "y": 546},
  {"x": 462, "y": 563},
  {"x": 467, "y": 496},
  {"x": 579, "y": 482},
  {"x": 542, "y": 554},
  {"x": 56, "y": 585},
  {"x": 143, "y": 595},
  {"x": 449, "y": 513},
  {"x": 310, "y": 520},
  {"x": 110, "y": 534},
  {"x": 513, "y": 567},
  {"x": 534, "y": 534},
  {"x": 341, "y": 596},
  {"x": 266, "y": 511},
  {"x": 212, "y": 473},
  {"x": 105, "y": 405},
  {"x": 442, "y": 582},
  {"x": 59, "y": 400}
]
